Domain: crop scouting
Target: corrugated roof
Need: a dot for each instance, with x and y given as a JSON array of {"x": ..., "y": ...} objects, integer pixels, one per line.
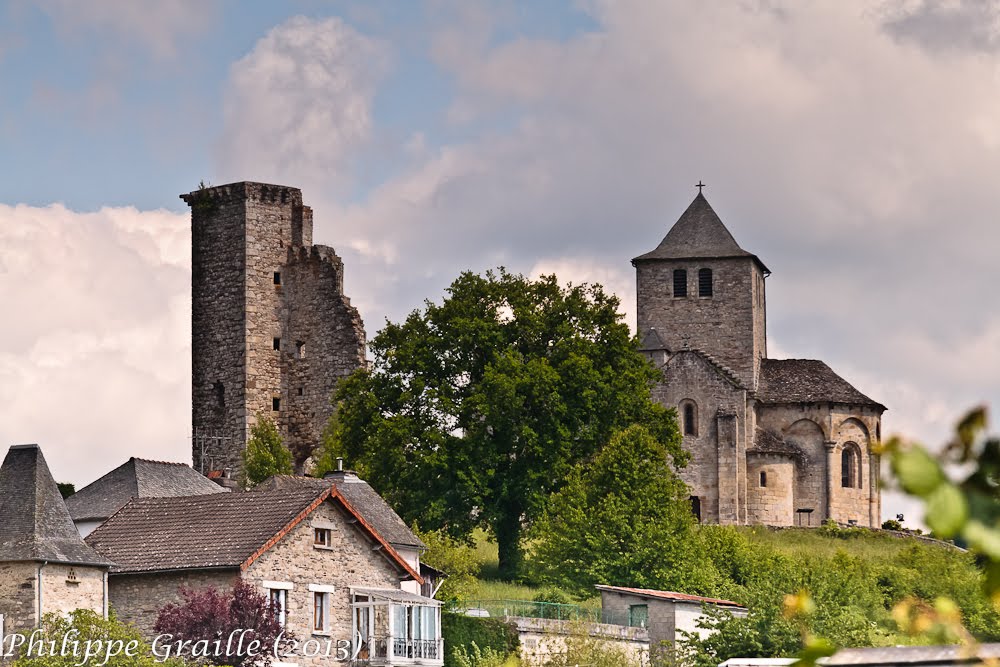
[
  {"x": 363, "y": 498},
  {"x": 34, "y": 522},
  {"x": 137, "y": 478},
  {"x": 806, "y": 381},
  {"x": 698, "y": 233},
  {"x": 667, "y": 595}
]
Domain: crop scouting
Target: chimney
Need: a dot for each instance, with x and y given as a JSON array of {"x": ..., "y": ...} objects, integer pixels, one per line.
[{"x": 341, "y": 475}]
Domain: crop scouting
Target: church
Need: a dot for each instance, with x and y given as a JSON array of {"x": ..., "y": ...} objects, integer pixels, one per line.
[{"x": 780, "y": 442}]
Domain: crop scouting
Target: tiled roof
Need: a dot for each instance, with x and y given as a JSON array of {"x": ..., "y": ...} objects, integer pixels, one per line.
[
  {"x": 363, "y": 498},
  {"x": 766, "y": 442},
  {"x": 137, "y": 478},
  {"x": 34, "y": 522},
  {"x": 698, "y": 233},
  {"x": 206, "y": 531},
  {"x": 667, "y": 595},
  {"x": 219, "y": 530},
  {"x": 727, "y": 373},
  {"x": 806, "y": 381}
]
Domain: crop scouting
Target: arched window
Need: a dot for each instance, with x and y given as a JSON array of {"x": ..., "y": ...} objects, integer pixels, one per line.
[
  {"x": 696, "y": 508},
  {"x": 763, "y": 478},
  {"x": 704, "y": 282},
  {"x": 689, "y": 415},
  {"x": 850, "y": 467},
  {"x": 680, "y": 282}
]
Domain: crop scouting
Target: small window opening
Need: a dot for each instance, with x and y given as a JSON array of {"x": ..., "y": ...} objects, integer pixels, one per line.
[
  {"x": 705, "y": 282},
  {"x": 322, "y": 537},
  {"x": 300, "y": 349},
  {"x": 300, "y": 391},
  {"x": 696, "y": 508},
  {"x": 220, "y": 393},
  {"x": 690, "y": 417},
  {"x": 680, "y": 282},
  {"x": 276, "y": 343},
  {"x": 763, "y": 479},
  {"x": 850, "y": 467},
  {"x": 276, "y": 404},
  {"x": 277, "y": 277}
]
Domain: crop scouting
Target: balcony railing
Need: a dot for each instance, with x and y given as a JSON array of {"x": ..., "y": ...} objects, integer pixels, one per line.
[{"x": 399, "y": 650}]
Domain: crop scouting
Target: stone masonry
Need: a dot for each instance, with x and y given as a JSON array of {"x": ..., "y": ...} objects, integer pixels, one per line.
[
  {"x": 778, "y": 442},
  {"x": 272, "y": 331}
]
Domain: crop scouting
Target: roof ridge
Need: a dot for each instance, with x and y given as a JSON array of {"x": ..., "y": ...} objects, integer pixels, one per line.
[
  {"x": 168, "y": 463},
  {"x": 728, "y": 372}
]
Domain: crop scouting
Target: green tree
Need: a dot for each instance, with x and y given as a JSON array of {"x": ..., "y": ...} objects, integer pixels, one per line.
[
  {"x": 624, "y": 519},
  {"x": 456, "y": 558},
  {"x": 476, "y": 408},
  {"x": 265, "y": 455},
  {"x": 123, "y": 642}
]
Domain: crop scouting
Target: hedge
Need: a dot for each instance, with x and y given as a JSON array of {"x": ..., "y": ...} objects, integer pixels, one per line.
[{"x": 461, "y": 630}]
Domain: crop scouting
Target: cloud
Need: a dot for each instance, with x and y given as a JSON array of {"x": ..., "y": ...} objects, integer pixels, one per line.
[
  {"x": 96, "y": 360},
  {"x": 859, "y": 168},
  {"x": 298, "y": 107},
  {"x": 155, "y": 25}
]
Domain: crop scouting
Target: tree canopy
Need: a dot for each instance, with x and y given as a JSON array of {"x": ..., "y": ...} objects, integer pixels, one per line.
[
  {"x": 266, "y": 454},
  {"x": 623, "y": 519},
  {"x": 475, "y": 409}
]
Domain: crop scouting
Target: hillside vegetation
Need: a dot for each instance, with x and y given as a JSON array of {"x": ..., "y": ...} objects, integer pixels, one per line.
[{"x": 855, "y": 577}]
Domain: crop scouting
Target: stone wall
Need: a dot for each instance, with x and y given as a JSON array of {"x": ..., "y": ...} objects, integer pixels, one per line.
[
  {"x": 272, "y": 331},
  {"x": 138, "y": 598},
  {"x": 69, "y": 587},
  {"x": 729, "y": 325},
  {"x": 715, "y": 472},
  {"x": 543, "y": 638},
  {"x": 349, "y": 561},
  {"x": 18, "y": 596},
  {"x": 770, "y": 500}
]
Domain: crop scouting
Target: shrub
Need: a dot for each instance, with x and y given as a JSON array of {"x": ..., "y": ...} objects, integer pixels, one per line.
[{"x": 487, "y": 634}]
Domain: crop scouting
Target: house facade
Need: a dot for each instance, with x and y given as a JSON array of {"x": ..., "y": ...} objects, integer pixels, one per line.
[
  {"x": 336, "y": 579},
  {"x": 773, "y": 441},
  {"x": 45, "y": 567}
]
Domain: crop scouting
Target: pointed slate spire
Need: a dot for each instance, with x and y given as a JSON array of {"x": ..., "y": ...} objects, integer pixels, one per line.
[
  {"x": 34, "y": 522},
  {"x": 698, "y": 233}
]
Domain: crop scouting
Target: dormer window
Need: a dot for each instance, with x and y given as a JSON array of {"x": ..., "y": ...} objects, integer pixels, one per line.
[
  {"x": 704, "y": 282},
  {"x": 680, "y": 282}
]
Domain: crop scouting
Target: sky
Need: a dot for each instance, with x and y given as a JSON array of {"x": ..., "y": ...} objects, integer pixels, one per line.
[{"x": 854, "y": 147}]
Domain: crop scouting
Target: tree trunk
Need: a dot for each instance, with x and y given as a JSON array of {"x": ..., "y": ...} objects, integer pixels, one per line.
[{"x": 508, "y": 532}]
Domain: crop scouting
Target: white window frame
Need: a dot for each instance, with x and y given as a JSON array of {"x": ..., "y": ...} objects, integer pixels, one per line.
[{"x": 283, "y": 586}]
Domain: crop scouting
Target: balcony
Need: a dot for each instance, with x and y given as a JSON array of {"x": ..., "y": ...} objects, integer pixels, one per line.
[
  {"x": 394, "y": 627},
  {"x": 377, "y": 651}
]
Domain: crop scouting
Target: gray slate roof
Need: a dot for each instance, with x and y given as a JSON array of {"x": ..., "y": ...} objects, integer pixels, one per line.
[
  {"x": 698, "y": 233},
  {"x": 767, "y": 442},
  {"x": 363, "y": 498},
  {"x": 137, "y": 478},
  {"x": 220, "y": 530},
  {"x": 806, "y": 381},
  {"x": 34, "y": 522}
]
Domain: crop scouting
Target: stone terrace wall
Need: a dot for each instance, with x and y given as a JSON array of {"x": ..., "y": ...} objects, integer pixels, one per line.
[{"x": 138, "y": 598}]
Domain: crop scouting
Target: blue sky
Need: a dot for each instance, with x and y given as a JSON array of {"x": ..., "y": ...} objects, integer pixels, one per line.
[{"x": 852, "y": 146}]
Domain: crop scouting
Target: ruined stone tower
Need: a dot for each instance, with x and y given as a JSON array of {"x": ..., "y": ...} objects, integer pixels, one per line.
[{"x": 272, "y": 331}]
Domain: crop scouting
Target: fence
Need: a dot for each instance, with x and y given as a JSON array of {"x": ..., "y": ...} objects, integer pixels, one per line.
[{"x": 548, "y": 610}]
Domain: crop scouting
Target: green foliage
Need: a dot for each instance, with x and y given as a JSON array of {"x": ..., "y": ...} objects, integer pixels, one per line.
[
  {"x": 66, "y": 489},
  {"x": 473, "y": 656},
  {"x": 622, "y": 519},
  {"x": 892, "y": 524},
  {"x": 492, "y": 635},
  {"x": 456, "y": 558},
  {"x": 477, "y": 408},
  {"x": 856, "y": 580},
  {"x": 265, "y": 455},
  {"x": 114, "y": 637}
]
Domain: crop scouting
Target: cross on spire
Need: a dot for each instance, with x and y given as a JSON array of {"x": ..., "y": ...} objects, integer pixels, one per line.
[{"x": 699, "y": 185}]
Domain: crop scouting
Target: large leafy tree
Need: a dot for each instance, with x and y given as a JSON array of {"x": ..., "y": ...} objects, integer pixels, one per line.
[
  {"x": 475, "y": 409},
  {"x": 624, "y": 519},
  {"x": 266, "y": 454}
]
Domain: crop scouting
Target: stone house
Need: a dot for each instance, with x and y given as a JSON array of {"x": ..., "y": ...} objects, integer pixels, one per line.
[
  {"x": 136, "y": 478},
  {"x": 664, "y": 614},
  {"x": 272, "y": 330},
  {"x": 313, "y": 549},
  {"x": 774, "y": 441},
  {"x": 45, "y": 567}
]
